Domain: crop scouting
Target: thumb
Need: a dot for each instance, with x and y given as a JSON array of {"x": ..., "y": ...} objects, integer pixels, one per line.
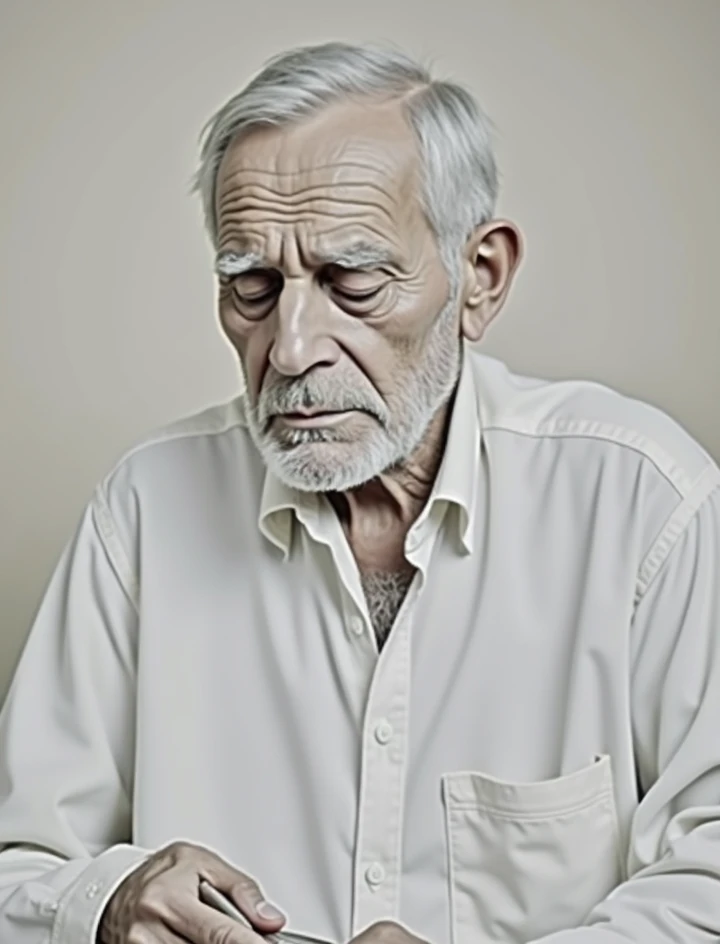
[
  {"x": 249, "y": 898},
  {"x": 269, "y": 914}
]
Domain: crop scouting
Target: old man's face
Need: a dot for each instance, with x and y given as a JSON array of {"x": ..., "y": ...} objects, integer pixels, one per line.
[{"x": 333, "y": 293}]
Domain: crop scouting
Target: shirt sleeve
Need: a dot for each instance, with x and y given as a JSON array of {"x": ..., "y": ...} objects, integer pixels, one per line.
[
  {"x": 673, "y": 891},
  {"x": 67, "y": 746}
]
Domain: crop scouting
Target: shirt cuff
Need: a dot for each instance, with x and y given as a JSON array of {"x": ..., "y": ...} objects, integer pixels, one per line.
[{"x": 79, "y": 912}]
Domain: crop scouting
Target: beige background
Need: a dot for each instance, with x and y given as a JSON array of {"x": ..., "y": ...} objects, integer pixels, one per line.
[{"x": 609, "y": 143}]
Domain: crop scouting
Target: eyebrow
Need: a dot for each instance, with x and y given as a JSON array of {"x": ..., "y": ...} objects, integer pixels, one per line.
[
  {"x": 230, "y": 263},
  {"x": 359, "y": 254}
]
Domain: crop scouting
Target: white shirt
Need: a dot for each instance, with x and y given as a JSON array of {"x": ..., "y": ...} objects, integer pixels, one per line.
[{"x": 535, "y": 749}]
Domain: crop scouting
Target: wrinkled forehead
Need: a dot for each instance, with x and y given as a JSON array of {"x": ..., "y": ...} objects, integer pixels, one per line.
[{"x": 348, "y": 160}]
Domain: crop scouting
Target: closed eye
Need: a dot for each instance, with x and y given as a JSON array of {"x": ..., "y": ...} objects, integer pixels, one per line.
[
  {"x": 355, "y": 296},
  {"x": 257, "y": 286},
  {"x": 258, "y": 297}
]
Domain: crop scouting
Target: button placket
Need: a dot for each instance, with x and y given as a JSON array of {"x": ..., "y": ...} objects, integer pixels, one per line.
[
  {"x": 383, "y": 731},
  {"x": 382, "y": 787},
  {"x": 356, "y": 625},
  {"x": 375, "y": 874}
]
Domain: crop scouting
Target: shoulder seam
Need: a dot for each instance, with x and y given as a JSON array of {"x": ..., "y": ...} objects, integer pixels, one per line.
[
  {"x": 704, "y": 486},
  {"x": 203, "y": 428},
  {"x": 119, "y": 562},
  {"x": 618, "y": 435}
]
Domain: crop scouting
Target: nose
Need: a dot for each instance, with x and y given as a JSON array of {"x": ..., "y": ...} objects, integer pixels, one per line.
[{"x": 302, "y": 339}]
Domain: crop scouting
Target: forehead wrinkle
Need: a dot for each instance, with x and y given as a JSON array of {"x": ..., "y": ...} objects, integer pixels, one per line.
[
  {"x": 249, "y": 226},
  {"x": 251, "y": 198},
  {"x": 249, "y": 168},
  {"x": 324, "y": 175},
  {"x": 312, "y": 215},
  {"x": 311, "y": 202},
  {"x": 243, "y": 215},
  {"x": 383, "y": 162},
  {"x": 301, "y": 191},
  {"x": 233, "y": 200}
]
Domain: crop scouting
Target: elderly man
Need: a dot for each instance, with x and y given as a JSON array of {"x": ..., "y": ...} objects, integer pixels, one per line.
[{"x": 422, "y": 649}]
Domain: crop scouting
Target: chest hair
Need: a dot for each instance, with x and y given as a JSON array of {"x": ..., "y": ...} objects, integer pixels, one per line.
[{"x": 384, "y": 593}]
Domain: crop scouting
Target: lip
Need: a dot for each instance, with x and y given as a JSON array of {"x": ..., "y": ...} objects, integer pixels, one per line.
[{"x": 314, "y": 420}]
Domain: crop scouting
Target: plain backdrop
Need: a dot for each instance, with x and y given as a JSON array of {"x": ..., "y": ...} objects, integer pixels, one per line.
[{"x": 608, "y": 137}]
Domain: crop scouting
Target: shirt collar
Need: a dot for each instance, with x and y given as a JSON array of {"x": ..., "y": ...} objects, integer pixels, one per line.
[
  {"x": 457, "y": 480},
  {"x": 279, "y": 505},
  {"x": 456, "y": 483}
]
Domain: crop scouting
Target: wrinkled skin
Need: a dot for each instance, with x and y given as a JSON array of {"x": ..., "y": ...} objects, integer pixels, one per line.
[
  {"x": 158, "y": 902},
  {"x": 293, "y": 195}
]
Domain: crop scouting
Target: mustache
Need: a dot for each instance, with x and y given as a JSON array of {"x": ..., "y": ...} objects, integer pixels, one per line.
[{"x": 339, "y": 393}]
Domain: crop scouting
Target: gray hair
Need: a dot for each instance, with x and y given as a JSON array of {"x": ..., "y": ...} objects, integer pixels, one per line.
[{"x": 459, "y": 185}]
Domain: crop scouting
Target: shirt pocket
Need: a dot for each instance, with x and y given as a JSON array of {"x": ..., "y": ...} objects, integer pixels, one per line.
[{"x": 527, "y": 859}]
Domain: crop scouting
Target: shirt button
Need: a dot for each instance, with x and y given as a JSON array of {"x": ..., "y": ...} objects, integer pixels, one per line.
[
  {"x": 92, "y": 889},
  {"x": 375, "y": 874},
  {"x": 357, "y": 627},
  {"x": 383, "y": 731}
]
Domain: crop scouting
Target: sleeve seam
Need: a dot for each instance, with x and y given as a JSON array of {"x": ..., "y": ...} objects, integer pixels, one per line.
[
  {"x": 105, "y": 528},
  {"x": 705, "y": 484}
]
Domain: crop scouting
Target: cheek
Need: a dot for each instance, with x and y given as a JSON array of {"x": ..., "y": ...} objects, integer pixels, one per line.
[
  {"x": 392, "y": 339},
  {"x": 251, "y": 340},
  {"x": 414, "y": 310},
  {"x": 234, "y": 327},
  {"x": 409, "y": 332}
]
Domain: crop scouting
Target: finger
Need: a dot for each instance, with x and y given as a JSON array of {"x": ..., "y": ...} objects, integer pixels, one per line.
[
  {"x": 247, "y": 895},
  {"x": 201, "y": 924}
]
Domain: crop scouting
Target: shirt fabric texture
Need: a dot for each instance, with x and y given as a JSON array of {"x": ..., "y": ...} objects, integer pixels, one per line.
[{"x": 533, "y": 756}]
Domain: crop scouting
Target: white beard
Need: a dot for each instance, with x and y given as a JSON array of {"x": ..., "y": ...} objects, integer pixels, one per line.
[{"x": 327, "y": 459}]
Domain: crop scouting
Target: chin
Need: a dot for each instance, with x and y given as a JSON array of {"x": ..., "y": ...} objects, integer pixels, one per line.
[{"x": 324, "y": 466}]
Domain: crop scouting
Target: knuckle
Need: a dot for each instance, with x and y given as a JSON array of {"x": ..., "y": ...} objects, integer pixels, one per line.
[
  {"x": 222, "y": 936},
  {"x": 138, "y": 934},
  {"x": 181, "y": 849}
]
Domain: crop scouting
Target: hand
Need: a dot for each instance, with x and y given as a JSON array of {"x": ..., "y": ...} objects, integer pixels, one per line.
[
  {"x": 387, "y": 932},
  {"x": 158, "y": 903}
]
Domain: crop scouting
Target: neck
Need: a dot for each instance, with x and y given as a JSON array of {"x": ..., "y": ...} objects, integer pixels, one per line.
[{"x": 377, "y": 515}]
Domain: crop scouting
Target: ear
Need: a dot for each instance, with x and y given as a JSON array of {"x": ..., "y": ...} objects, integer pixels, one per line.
[{"x": 491, "y": 258}]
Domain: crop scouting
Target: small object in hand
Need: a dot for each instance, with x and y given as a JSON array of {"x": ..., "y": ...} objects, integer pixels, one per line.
[{"x": 216, "y": 899}]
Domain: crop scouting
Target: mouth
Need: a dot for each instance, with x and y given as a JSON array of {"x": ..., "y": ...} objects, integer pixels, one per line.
[{"x": 313, "y": 419}]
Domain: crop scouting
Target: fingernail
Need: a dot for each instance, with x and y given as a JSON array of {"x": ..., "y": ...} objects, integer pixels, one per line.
[{"x": 266, "y": 910}]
